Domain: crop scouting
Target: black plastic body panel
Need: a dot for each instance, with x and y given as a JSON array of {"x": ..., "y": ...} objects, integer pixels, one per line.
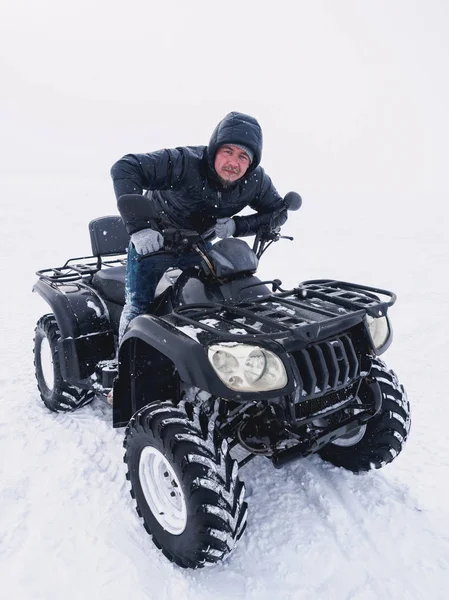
[
  {"x": 190, "y": 357},
  {"x": 85, "y": 331},
  {"x": 232, "y": 256},
  {"x": 193, "y": 287},
  {"x": 81, "y": 355}
]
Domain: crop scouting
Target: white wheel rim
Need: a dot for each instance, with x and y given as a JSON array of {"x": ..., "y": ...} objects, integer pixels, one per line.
[
  {"x": 162, "y": 490},
  {"x": 351, "y": 439},
  {"x": 47, "y": 364}
]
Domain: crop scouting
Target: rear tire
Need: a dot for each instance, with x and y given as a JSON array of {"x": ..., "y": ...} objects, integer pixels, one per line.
[
  {"x": 384, "y": 435},
  {"x": 185, "y": 483},
  {"x": 56, "y": 394}
]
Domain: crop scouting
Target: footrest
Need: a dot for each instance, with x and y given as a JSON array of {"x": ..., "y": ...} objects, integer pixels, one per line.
[{"x": 109, "y": 371}]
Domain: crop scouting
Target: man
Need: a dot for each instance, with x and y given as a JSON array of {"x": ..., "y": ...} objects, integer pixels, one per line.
[{"x": 196, "y": 188}]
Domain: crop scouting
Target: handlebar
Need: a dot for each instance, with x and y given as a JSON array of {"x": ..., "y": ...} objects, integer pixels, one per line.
[{"x": 177, "y": 241}]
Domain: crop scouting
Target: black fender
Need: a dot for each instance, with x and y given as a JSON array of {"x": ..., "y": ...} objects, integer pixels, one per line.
[
  {"x": 154, "y": 355},
  {"x": 85, "y": 331}
]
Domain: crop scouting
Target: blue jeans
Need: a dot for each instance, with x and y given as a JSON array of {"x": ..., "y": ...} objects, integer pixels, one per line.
[{"x": 142, "y": 278}]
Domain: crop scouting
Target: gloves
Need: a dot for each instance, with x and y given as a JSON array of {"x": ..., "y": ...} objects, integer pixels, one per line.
[
  {"x": 225, "y": 228},
  {"x": 147, "y": 240}
]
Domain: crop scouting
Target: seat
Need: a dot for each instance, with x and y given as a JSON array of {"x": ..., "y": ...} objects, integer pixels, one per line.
[{"x": 110, "y": 282}]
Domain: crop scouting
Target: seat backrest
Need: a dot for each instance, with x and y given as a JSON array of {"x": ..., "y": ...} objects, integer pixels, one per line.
[{"x": 108, "y": 235}]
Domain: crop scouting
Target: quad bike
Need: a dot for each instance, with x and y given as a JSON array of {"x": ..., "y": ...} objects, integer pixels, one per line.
[{"x": 223, "y": 364}]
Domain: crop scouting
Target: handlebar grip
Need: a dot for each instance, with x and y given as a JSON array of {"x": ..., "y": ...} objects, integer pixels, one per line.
[{"x": 141, "y": 257}]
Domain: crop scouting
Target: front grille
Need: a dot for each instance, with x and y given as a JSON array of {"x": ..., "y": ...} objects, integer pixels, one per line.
[
  {"x": 326, "y": 366},
  {"x": 320, "y": 406}
]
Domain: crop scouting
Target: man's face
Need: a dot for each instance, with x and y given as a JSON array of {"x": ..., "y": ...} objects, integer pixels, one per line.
[{"x": 231, "y": 163}]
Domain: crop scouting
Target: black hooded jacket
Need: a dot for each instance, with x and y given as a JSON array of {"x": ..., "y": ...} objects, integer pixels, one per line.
[{"x": 185, "y": 190}]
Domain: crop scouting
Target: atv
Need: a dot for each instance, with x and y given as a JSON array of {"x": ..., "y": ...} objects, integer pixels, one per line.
[{"x": 223, "y": 368}]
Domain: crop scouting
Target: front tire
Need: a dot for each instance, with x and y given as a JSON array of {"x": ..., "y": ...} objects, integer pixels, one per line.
[
  {"x": 382, "y": 438},
  {"x": 185, "y": 483},
  {"x": 56, "y": 394}
]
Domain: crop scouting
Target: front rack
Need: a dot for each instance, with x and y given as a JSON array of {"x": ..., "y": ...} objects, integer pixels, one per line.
[
  {"x": 350, "y": 295},
  {"x": 300, "y": 313}
]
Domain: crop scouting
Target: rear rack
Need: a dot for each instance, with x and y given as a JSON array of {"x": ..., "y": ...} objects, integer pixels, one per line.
[
  {"x": 302, "y": 313},
  {"x": 74, "y": 271}
]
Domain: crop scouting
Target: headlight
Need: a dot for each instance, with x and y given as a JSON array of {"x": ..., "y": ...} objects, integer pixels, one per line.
[
  {"x": 245, "y": 368},
  {"x": 379, "y": 330}
]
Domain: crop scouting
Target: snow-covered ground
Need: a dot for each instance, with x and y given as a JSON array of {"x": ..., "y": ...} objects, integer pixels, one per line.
[
  {"x": 361, "y": 132},
  {"x": 67, "y": 524}
]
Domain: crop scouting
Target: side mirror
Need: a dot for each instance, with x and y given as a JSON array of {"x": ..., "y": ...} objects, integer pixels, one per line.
[{"x": 293, "y": 201}]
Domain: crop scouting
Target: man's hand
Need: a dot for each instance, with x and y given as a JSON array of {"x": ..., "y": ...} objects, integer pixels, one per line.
[
  {"x": 147, "y": 240},
  {"x": 225, "y": 228}
]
